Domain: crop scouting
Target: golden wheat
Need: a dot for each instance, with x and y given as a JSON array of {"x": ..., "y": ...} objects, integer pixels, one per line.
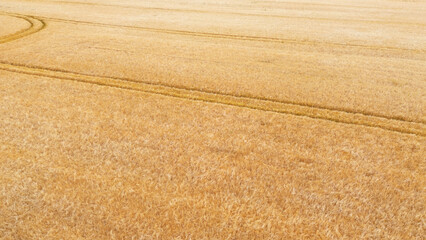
[{"x": 132, "y": 120}]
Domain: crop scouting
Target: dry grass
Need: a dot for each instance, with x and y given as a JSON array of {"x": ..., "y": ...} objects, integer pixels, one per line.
[{"x": 84, "y": 161}]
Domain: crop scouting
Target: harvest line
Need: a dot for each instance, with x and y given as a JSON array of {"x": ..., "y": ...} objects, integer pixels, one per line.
[{"x": 228, "y": 99}]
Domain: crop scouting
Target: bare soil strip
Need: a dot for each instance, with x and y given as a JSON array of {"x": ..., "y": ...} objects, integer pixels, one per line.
[
  {"x": 390, "y": 124},
  {"x": 35, "y": 26}
]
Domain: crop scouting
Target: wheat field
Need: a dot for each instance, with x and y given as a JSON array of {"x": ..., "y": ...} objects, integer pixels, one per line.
[{"x": 202, "y": 119}]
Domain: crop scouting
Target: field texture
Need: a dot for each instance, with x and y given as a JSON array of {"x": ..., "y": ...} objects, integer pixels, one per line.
[{"x": 202, "y": 119}]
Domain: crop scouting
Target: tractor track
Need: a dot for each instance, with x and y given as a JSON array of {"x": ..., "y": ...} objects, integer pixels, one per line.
[
  {"x": 395, "y": 124},
  {"x": 42, "y": 19},
  {"x": 36, "y": 25},
  {"x": 249, "y": 14},
  {"x": 328, "y": 5},
  {"x": 339, "y": 116},
  {"x": 238, "y": 13},
  {"x": 237, "y": 37}
]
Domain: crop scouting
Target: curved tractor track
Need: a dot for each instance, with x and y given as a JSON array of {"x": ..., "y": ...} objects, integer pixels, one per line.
[
  {"x": 271, "y": 105},
  {"x": 36, "y": 25},
  {"x": 238, "y": 13},
  {"x": 339, "y": 116},
  {"x": 239, "y": 37}
]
